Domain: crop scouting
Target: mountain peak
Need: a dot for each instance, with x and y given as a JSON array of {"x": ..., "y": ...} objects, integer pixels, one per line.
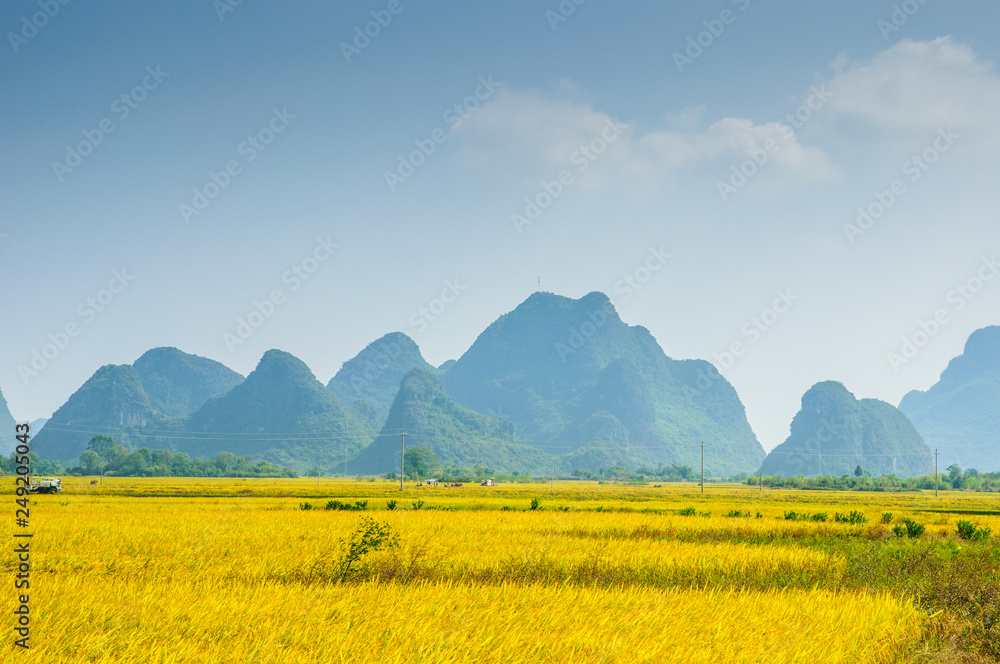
[
  {"x": 983, "y": 346},
  {"x": 960, "y": 414},
  {"x": 368, "y": 382},
  {"x": 282, "y": 413},
  {"x": 834, "y": 432},
  {"x": 555, "y": 366},
  {"x": 111, "y": 401},
  {"x": 178, "y": 383}
]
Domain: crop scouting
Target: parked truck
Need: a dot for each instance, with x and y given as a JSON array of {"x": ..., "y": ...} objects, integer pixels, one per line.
[{"x": 45, "y": 485}]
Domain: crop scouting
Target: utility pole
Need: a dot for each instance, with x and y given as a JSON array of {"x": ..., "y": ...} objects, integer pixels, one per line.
[
  {"x": 703, "y": 466},
  {"x": 402, "y": 452},
  {"x": 935, "y": 473}
]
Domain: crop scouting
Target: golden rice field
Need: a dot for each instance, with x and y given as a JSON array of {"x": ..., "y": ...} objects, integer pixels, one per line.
[{"x": 222, "y": 570}]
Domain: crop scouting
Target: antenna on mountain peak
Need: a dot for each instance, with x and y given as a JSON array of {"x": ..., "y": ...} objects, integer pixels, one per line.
[{"x": 539, "y": 284}]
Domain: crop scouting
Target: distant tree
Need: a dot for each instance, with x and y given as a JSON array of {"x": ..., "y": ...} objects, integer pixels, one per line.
[
  {"x": 92, "y": 463},
  {"x": 420, "y": 462},
  {"x": 225, "y": 461},
  {"x": 181, "y": 465},
  {"x": 858, "y": 472},
  {"x": 115, "y": 458},
  {"x": 162, "y": 457},
  {"x": 955, "y": 476},
  {"x": 102, "y": 445},
  {"x": 134, "y": 465}
]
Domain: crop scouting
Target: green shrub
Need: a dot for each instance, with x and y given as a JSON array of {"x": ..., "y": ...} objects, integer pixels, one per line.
[
  {"x": 908, "y": 528},
  {"x": 819, "y": 516},
  {"x": 305, "y": 506},
  {"x": 536, "y": 503},
  {"x": 358, "y": 506},
  {"x": 968, "y": 531},
  {"x": 390, "y": 505},
  {"x": 417, "y": 504},
  {"x": 687, "y": 511},
  {"x": 854, "y": 518},
  {"x": 886, "y": 517}
]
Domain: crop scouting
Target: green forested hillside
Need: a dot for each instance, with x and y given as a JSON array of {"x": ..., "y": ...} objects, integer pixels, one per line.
[
  {"x": 368, "y": 383},
  {"x": 455, "y": 434},
  {"x": 960, "y": 414},
  {"x": 834, "y": 433},
  {"x": 574, "y": 378},
  {"x": 111, "y": 402},
  {"x": 177, "y": 383},
  {"x": 281, "y": 413}
]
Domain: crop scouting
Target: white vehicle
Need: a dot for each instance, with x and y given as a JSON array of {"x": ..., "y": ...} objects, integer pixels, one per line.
[{"x": 46, "y": 485}]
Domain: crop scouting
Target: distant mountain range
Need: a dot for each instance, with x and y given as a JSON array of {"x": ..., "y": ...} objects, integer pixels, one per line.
[
  {"x": 834, "y": 433},
  {"x": 113, "y": 401},
  {"x": 555, "y": 385},
  {"x": 960, "y": 414}
]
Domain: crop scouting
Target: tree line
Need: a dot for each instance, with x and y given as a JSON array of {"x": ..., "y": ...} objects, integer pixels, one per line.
[{"x": 104, "y": 456}]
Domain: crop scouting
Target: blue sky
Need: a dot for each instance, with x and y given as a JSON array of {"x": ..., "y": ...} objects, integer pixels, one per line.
[{"x": 266, "y": 90}]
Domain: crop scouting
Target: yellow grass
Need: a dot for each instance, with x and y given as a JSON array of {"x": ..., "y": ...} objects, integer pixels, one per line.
[
  {"x": 142, "y": 570},
  {"x": 129, "y": 622},
  {"x": 274, "y": 540}
]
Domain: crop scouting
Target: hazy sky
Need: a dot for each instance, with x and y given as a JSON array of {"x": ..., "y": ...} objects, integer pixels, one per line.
[{"x": 196, "y": 157}]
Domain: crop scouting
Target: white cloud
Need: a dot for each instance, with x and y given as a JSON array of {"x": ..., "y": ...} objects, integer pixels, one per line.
[
  {"x": 917, "y": 87},
  {"x": 728, "y": 142},
  {"x": 524, "y": 131},
  {"x": 530, "y": 135},
  {"x": 904, "y": 93}
]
